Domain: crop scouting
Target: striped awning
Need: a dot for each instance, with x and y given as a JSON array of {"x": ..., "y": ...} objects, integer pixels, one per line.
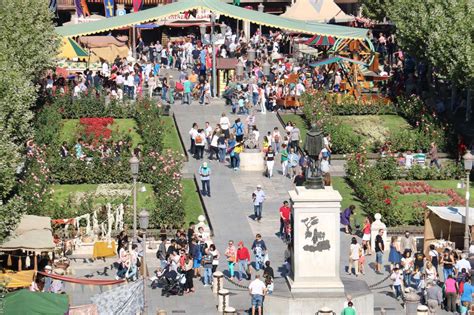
[
  {"x": 70, "y": 49},
  {"x": 320, "y": 40},
  {"x": 336, "y": 59},
  {"x": 218, "y": 7}
]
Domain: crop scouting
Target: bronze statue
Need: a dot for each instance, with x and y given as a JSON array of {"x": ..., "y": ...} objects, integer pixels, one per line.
[{"x": 313, "y": 146}]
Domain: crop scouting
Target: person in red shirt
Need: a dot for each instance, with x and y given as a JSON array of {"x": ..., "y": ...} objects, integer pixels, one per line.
[
  {"x": 285, "y": 212},
  {"x": 243, "y": 260}
]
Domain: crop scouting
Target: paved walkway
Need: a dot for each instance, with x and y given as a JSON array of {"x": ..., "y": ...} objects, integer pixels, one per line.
[{"x": 229, "y": 210}]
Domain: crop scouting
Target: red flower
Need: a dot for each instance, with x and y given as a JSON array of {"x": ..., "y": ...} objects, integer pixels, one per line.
[
  {"x": 386, "y": 187},
  {"x": 387, "y": 201}
]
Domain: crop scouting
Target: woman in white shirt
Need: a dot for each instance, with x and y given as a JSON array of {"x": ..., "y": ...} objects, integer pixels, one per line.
[
  {"x": 354, "y": 256},
  {"x": 225, "y": 124},
  {"x": 407, "y": 263},
  {"x": 430, "y": 272}
]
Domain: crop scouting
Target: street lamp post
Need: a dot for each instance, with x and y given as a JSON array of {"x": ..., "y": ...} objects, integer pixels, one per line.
[
  {"x": 144, "y": 220},
  {"x": 214, "y": 74},
  {"x": 250, "y": 59},
  {"x": 260, "y": 9},
  {"x": 468, "y": 159},
  {"x": 134, "y": 166}
]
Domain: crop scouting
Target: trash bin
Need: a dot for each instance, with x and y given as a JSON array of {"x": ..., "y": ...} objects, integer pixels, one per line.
[{"x": 422, "y": 310}]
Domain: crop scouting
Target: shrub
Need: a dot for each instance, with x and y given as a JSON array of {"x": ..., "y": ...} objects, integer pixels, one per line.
[
  {"x": 342, "y": 137},
  {"x": 387, "y": 168}
]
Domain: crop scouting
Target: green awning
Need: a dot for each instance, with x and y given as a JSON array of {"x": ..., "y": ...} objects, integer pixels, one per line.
[
  {"x": 217, "y": 7},
  {"x": 27, "y": 302}
]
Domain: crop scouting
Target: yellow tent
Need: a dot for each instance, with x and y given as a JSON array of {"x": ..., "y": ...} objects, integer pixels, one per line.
[{"x": 70, "y": 49}]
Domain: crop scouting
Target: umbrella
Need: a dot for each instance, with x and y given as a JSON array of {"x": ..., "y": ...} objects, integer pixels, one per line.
[
  {"x": 71, "y": 49},
  {"x": 320, "y": 40}
]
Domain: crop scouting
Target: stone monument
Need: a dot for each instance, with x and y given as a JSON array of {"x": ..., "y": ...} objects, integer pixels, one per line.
[
  {"x": 316, "y": 242},
  {"x": 313, "y": 146},
  {"x": 374, "y": 230}
]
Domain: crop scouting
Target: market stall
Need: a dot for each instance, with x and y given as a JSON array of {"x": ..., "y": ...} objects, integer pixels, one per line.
[
  {"x": 444, "y": 227},
  {"x": 32, "y": 236},
  {"x": 27, "y": 302}
]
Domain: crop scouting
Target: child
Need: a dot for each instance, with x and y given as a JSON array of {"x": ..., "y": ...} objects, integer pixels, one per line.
[
  {"x": 397, "y": 279},
  {"x": 362, "y": 260},
  {"x": 269, "y": 284}
]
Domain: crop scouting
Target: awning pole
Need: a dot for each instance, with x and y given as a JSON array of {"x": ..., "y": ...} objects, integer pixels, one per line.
[{"x": 134, "y": 43}]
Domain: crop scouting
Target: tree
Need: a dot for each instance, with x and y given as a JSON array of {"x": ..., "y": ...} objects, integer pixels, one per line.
[
  {"x": 374, "y": 9},
  {"x": 437, "y": 31},
  {"x": 28, "y": 46}
]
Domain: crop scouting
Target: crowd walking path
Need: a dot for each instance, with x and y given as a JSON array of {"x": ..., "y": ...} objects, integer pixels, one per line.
[{"x": 230, "y": 209}]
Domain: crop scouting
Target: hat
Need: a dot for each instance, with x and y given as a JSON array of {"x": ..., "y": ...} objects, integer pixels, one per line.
[
  {"x": 58, "y": 271},
  {"x": 48, "y": 267},
  {"x": 204, "y": 164},
  {"x": 259, "y": 186}
]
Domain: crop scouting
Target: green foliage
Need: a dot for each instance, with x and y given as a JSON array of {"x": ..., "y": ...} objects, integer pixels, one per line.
[
  {"x": 28, "y": 38},
  {"x": 92, "y": 106},
  {"x": 448, "y": 170},
  {"x": 439, "y": 32},
  {"x": 47, "y": 126},
  {"x": 10, "y": 161},
  {"x": 387, "y": 168},
  {"x": 374, "y": 9},
  {"x": 369, "y": 187},
  {"x": 150, "y": 126},
  {"x": 10, "y": 214},
  {"x": 344, "y": 140}
]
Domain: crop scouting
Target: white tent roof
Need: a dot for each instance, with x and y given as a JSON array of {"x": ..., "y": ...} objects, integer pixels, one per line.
[
  {"x": 316, "y": 11},
  {"x": 453, "y": 214},
  {"x": 33, "y": 233}
]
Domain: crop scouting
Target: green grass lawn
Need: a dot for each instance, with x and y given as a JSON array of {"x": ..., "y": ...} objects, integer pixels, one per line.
[
  {"x": 348, "y": 197},
  {"x": 70, "y": 127},
  {"x": 374, "y": 128},
  {"x": 171, "y": 137},
  {"x": 299, "y": 121},
  {"x": 192, "y": 204},
  {"x": 62, "y": 192}
]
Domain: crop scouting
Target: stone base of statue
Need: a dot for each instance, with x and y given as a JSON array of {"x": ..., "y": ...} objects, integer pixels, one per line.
[
  {"x": 314, "y": 279},
  {"x": 251, "y": 160}
]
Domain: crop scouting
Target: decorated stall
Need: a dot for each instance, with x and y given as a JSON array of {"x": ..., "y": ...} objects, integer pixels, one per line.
[{"x": 444, "y": 227}]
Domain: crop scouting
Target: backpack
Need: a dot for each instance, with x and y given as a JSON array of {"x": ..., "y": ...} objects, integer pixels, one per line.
[
  {"x": 198, "y": 139},
  {"x": 239, "y": 130}
]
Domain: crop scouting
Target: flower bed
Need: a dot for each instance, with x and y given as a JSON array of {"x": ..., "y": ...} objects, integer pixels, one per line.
[
  {"x": 421, "y": 188},
  {"x": 96, "y": 128}
]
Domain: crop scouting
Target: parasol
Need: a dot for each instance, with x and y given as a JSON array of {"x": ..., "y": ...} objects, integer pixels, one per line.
[{"x": 320, "y": 40}]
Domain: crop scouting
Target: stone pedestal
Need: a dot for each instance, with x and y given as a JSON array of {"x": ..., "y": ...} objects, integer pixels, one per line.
[
  {"x": 316, "y": 242},
  {"x": 252, "y": 161}
]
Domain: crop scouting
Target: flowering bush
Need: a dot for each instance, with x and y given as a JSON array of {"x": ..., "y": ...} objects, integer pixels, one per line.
[
  {"x": 95, "y": 129},
  {"x": 371, "y": 190},
  {"x": 163, "y": 171}
]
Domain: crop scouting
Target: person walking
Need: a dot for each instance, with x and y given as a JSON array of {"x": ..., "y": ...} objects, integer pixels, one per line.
[
  {"x": 293, "y": 162},
  {"x": 243, "y": 260},
  {"x": 379, "y": 249},
  {"x": 189, "y": 273},
  {"x": 407, "y": 243},
  {"x": 285, "y": 213},
  {"x": 434, "y": 297},
  {"x": 366, "y": 236},
  {"x": 451, "y": 288},
  {"x": 205, "y": 176},
  {"x": 206, "y": 262},
  {"x": 231, "y": 256},
  {"x": 221, "y": 147},
  {"x": 239, "y": 128},
  {"x": 295, "y": 136},
  {"x": 187, "y": 87},
  {"x": 257, "y": 290},
  {"x": 397, "y": 279},
  {"x": 225, "y": 125},
  {"x": 284, "y": 160},
  {"x": 276, "y": 139},
  {"x": 258, "y": 197},
  {"x": 346, "y": 218},
  {"x": 354, "y": 256},
  {"x": 192, "y": 136},
  {"x": 200, "y": 143},
  {"x": 394, "y": 256},
  {"x": 215, "y": 257},
  {"x": 270, "y": 161},
  {"x": 259, "y": 249},
  {"x": 434, "y": 155}
]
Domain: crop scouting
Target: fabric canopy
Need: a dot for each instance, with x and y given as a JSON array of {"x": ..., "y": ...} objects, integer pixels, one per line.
[
  {"x": 453, "y": 214},
  {"x": 70, "y": 49},
  {"x": 20, "y": 279},
  {"x": 26, "y": 302},
  {"x": 336, "y": 59},
  {"x": 81, "y": 281},
  {"x": 33, "y": 234},
  {"x": 218, "y": 7},
  {"x": 316, "y": 10},
  {"x": 318, "y": 40}
]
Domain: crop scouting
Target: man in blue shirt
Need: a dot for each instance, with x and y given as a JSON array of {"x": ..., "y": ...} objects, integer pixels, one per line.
[
  {"x": 258, "y": 198},
  {"x": 205, "y": 173}
]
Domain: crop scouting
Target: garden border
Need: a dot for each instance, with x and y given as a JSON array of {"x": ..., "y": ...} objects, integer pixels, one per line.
[
  {"x": 186, "y": 156},
  {"x": 206, "y": 214}
]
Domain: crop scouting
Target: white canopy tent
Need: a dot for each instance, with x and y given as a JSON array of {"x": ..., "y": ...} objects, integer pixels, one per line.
[
  {"x": 446, "y": 223},
  {"x": 33, "y": 233},
  {"x": 324, "y": 11}
]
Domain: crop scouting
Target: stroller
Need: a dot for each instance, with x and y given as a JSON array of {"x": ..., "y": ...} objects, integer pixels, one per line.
[{"x": 172, "y": 282}]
